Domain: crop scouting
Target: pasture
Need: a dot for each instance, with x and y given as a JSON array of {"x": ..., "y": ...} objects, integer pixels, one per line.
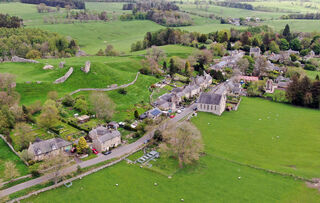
[
  {"x": 266, "y": 134},
  {"x": 214, "y": 178}
]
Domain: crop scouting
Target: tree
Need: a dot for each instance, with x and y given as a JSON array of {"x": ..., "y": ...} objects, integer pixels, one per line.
[
  {"x": 164, "y": 66},
  {"x": 157, "y": 136},
  {"x": 273, "y": 47},
  {"x": 49, "y": 115},
  {"x": 284, "y": 44},
  {"x": 82, "y": 145},
  {"x": 218, "y": 49},
  {"x": 33, "y": 54},
  {"x": 81, "y": 105},
  {"x": 22, "y": 136},
  {"x": 154, "y": 56},
  {"x": 68, "y": 100},
  {"x": 183, "y": 142},
  {"x": 10, "y": 171},
  {"x": 286, "y": 33},
  {"x": 109, "y": 51},
  {"x": 103, "y": 106},
  {"x": 295, "y": 44},
  {"x": 100, "y": 53},
  {"x": 136, "y": 114},
  {"x": 54, "y": 164},
  {"x": 53, "y": 95},
  {"x": 172, "y": 67},
  {"x": 260, "y": 66},
  {"x": 187, "y": 69},
  {"x": 243, "y": 65}
]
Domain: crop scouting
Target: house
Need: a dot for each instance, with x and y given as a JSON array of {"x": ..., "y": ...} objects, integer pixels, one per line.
[
  {"x": 247, "y": 78},
  {"x": 255, "y": 51},
  {"x": 42, "y": 149},
  {"x": 103, "y": 138},
  {"x": 83, "y": 119},
  {"x": 213, "y": 103},
  {"x": 282, "y": 79},
  {"x": 153, "y": 114}
]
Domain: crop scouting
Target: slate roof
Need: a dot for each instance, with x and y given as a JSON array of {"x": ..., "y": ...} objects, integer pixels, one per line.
[
  {"x": 109, "y": 136},
  {"x": 208, "y": 98},
  {"x": 45, "y": 146}
]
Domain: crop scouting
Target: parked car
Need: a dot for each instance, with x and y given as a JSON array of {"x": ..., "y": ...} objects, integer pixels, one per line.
[
  {"x": 172, "y": 116},
  {"x": 73, "y": 150},
  {"x": 106, "y": 152},
  {"x": 179, "y": 111},
  {"x": 95, "y": 151},
  {"x": 195, "y": 108}
]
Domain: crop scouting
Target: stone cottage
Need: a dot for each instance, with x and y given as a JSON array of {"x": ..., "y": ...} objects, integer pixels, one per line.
[
  {"x": 43, "y": 149},
  {"x": 103, "y": 139}
]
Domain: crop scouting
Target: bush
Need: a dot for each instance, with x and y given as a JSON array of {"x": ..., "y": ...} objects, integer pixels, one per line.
[
  {"x": 35, "y": 174},
  {"x": 122, "y": 91},
  {"x": 310, "y": 67}
]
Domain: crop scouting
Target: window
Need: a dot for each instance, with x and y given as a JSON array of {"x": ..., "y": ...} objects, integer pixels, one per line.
[{"x": 215, "y": 108}]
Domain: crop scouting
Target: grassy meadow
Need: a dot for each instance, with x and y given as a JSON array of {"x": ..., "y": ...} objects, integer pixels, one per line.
[
  {"x": 239, "y": 136},
  {"x": 7, "y": 155},
  {"x": 266, "y": 134}
]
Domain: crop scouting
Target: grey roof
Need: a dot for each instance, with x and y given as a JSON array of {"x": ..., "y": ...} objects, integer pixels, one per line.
[
  {"x": 208, "y": 98},
  {"x": 45, "y": 146},
  {"x": 177, "y": 89},
  {"x": 255, "y": 49},
  {"x": 109, "y": 136},
  {"x": 166, "y": 97}
]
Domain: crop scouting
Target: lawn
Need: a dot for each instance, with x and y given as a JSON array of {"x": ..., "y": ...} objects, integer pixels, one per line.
[
  {"x": 7, "y": 155},
  {"x": 266, "y": 134},
  {"x": 313, "y": 74}
]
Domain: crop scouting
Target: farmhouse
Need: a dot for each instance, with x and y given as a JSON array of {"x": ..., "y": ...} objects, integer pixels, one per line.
[
  {"x": 214, "y": 103},
  {"x": 153, "y": 114},
  {"x": 43, "y": 149},
  {"x": 103, "y": 139}
]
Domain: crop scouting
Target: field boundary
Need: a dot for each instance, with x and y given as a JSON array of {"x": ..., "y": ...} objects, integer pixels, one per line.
[
  {"x": 106, "y": 89},
  {"x": 75, "y": 178},
  {"x": 267, "y": 170},
  {"x": 12, "y": 149}
]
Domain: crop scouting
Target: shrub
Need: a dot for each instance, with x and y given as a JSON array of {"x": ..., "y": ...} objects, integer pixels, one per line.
[
  {"x": 310, "y": 67},
  {"x": 122, "y": 91},
  {"x": 35, "y": 173}
]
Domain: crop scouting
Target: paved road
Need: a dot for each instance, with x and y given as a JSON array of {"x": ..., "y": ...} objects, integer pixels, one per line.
[{"x": 118, "y": 152}]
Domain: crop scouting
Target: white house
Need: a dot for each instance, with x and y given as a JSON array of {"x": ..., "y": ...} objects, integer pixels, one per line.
[{"x": 213, "y": 103}]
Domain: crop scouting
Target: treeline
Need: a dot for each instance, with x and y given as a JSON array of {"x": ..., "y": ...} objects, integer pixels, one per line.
[
  {"x": 152, "y": 5},
  {"x": 75, "y": 4},
  {"x": 34, "y": 44},
  {"x": 304, "y": 92},
  {"x": 307, "y": 16},
  {"x": 234, "y": 5},
  {"x": 110, "y": 1},
  {"x": 162, "y": 12},
  {"x": 164, "y": 37},
  {"x": 85, "y": 16},
  {"x": 10, "y": 21}
]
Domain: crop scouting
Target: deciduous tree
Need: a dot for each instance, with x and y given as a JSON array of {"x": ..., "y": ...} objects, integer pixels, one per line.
[{"x": 183, "y": 142}]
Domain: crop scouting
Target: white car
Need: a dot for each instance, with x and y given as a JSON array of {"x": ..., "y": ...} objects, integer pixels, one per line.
[{"x": 179, "y": 111}]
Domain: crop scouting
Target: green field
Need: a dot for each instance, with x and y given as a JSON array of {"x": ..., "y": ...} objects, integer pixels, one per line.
[
  {"x": 295, "y": 25},
  {"x": 7, "y": 155},
  {"x": 215, "y": 179},
  {"x": 282, "y": 140}
]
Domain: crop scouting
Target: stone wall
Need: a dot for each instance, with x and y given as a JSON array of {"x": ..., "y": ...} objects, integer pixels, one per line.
[
  {"x": 22, "y": 60},
  {"x": 65, "y": 77},
  {"x": 86, "y": 68}
]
